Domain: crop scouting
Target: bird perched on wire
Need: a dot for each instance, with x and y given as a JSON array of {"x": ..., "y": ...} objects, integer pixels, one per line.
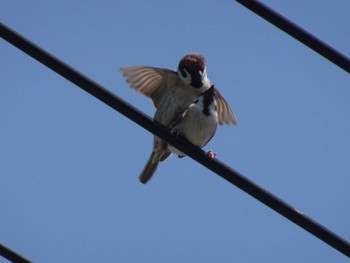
[
  {"x": 198, "y": 122},
  {"x": 172, "y": 92}
]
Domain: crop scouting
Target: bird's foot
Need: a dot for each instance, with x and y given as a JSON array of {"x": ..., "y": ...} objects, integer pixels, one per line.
[{"x": 210, "y": 154}]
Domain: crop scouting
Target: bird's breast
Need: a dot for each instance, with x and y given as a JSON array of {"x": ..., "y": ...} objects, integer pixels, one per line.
[{"x": 198, "y": 128}]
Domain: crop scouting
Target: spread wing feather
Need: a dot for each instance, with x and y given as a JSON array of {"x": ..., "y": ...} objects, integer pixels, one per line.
[
  {"x": 150, "y": 81},
  {"x": 225, "y": 113}
]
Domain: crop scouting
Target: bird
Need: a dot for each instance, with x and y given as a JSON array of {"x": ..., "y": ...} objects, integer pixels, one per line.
[
  {"x": 173, "y": 92},
  {"x": 198, "y": 123}
]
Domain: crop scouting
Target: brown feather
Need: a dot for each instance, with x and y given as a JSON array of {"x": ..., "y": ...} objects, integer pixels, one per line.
[
  {"x": 150, "y": 81},
  {"x": 225, "y": 113},
  {"x": 149, "y": 169}
]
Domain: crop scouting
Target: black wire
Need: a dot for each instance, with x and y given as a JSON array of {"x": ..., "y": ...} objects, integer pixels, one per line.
[
  {"x": 298, "y": 33},
  {"x": 11, "y": 255},
  {"x": 196, "y": 153}
]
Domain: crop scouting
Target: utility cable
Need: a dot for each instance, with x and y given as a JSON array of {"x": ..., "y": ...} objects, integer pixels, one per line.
[
  {"x": 12, "y": 255},
  {"x": 159, "y": 130},
  {"x": 298, "y": 33}
]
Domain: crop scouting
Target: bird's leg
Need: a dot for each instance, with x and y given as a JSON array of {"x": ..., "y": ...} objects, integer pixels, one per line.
[{"x": 175, "y": 132}]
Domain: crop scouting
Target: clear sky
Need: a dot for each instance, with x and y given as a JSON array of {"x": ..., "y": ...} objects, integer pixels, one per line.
[{"x": 69, "y": 164}]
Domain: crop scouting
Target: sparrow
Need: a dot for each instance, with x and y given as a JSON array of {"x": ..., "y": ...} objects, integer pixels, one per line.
[
  {"x": 172, "y": 92},
  {"x": 198, "y": 122}
]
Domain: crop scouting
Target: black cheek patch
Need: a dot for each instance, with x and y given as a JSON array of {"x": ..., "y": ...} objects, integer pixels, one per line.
[{"x": 183, "y": 73}]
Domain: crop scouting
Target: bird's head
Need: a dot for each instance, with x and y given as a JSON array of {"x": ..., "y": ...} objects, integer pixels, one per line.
[{"x": 192, "y": 71}]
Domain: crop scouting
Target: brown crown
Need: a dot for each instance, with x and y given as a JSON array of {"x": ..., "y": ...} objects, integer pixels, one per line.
[{"x": 192, "y": 63}]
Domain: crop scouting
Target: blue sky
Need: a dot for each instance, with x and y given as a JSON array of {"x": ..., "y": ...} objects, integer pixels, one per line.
[{"x": 69, "y": 164}]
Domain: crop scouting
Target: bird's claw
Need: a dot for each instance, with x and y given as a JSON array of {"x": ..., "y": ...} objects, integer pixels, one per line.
[{"x": 210, "y": 154}]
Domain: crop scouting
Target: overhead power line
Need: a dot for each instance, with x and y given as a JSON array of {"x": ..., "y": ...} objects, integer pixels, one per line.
[
  {"x": 11, "y": 255},
  {"x": 298, "y": 33},
  {"x": 194, "y": 152}
]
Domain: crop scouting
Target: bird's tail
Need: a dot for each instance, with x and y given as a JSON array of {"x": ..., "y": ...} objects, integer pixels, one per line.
[{"x": 149, "y": 169}]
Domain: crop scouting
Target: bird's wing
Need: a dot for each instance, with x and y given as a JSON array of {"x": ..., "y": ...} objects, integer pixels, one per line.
[
  {"x": 225, "y": 113},
  {"x": 150, "y": 81}
]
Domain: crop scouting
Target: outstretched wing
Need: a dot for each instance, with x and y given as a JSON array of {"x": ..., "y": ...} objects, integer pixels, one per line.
[
  {"x": 150, "y": 81},
  {"x": 225, "y": 113}
]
